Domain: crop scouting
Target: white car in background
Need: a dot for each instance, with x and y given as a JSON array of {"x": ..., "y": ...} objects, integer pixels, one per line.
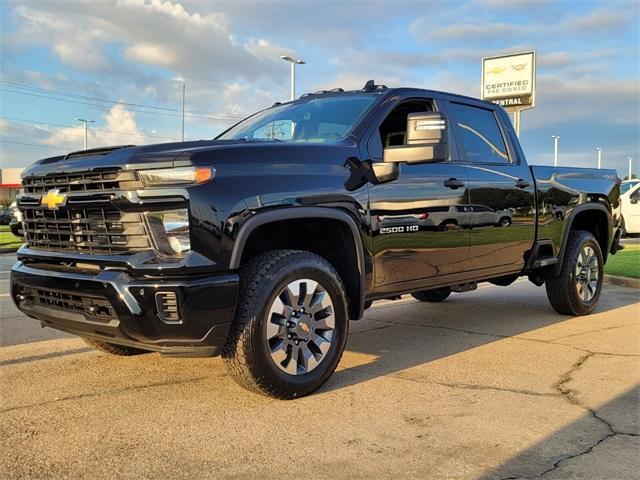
[{"x": 630, "y": 209}]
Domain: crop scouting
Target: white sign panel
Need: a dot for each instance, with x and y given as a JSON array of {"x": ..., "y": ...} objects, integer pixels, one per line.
[{"x": 510, "y": 80}]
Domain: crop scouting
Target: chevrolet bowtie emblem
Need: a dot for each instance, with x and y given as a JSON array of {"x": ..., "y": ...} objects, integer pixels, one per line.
[{"x": 53, "y": 199}]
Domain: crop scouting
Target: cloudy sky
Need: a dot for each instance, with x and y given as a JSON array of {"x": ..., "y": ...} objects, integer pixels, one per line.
[{"x": 120, "y": 63}]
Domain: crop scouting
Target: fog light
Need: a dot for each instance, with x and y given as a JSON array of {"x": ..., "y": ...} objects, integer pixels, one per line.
[
  {"x": 167, "y": 306},
  {"x": 170, "y": 230}
]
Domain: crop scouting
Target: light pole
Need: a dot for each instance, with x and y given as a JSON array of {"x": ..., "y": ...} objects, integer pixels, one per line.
[
  {"x": 293, "y": 63},
  {"x": 630, "y": 160},
  {"x": 599, "y": 149},
  {"x": 184, "y": 86},
  {"x": 555, "y": 149},
  {"x": 85, "y": 122},
  {"x": 182, "y": 80}
]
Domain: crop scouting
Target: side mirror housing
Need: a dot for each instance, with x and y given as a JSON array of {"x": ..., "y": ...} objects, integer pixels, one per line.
[{"x": 426, "y": 140}]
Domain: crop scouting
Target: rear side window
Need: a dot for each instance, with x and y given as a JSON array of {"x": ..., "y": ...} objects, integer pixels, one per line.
[{"x": 480, "y": 137}]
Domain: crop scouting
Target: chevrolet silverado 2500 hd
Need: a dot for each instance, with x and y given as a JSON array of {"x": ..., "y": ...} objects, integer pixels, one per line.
[{"x": 262, "y": 244}]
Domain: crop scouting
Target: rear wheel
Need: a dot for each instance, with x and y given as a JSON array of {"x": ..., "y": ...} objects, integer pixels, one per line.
[
  {"x": 113, "y": 348},
  {"x": 291, "y": 324},
  {"x": 435, "y": 295},
  {"x": 577, "y": 289}
]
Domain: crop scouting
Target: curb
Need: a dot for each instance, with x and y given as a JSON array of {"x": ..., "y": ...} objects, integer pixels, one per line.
[{"x": 622, "y": 281}]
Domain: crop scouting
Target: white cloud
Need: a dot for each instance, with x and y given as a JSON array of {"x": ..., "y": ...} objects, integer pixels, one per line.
[
  {"x": 599, "y": 20},
  {"x": 120, "y": 128},
  {"x": 422, "y": 29}
]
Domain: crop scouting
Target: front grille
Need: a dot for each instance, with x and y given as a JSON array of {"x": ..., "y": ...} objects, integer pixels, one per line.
[
  {"x": 106, "y": 180},
  {"x": 104, "y": 230},
  {"x": 95, "y": 307}
]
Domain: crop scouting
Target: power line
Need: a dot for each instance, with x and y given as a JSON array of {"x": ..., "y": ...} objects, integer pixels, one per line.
[
  {"x": 36, "y": 145},
  {"x": 23, "y": 120},
  {"x": 106, "y": 108},
  {"x": 20, "y": 86}
]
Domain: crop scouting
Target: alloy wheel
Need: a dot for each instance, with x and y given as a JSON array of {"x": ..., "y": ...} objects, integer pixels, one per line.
[{"x": 300, "y": 327}]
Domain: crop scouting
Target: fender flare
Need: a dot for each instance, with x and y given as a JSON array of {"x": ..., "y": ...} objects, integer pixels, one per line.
[
  {"x": 569, "y": 223},
  {"x": 295, "y": 213}
]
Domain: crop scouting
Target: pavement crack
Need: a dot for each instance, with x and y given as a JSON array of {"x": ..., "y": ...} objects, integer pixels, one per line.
[
  {"x": 98, "y": 394},
  {"x": 370, "y": 330},
  {"x": 562, "y": 388},
  {"x": 464, "y": 386},
  {"x": 595, "y": 331}
]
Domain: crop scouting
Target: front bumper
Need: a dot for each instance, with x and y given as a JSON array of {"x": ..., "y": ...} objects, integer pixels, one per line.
[{"x": 206, "y": 306}]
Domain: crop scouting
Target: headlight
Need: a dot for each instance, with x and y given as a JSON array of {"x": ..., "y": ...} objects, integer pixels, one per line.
[
  {"x": 176, "y": 176},
  {"x": 170, "y": 230}
]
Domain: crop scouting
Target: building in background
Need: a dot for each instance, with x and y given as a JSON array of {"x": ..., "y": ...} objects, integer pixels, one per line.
[{"x": 9, "y": 184}]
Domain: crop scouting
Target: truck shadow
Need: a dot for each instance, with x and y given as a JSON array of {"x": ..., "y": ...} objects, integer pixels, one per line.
[
  {"x": 585, "y": 436},
  {"x": 397, "y": 336}
]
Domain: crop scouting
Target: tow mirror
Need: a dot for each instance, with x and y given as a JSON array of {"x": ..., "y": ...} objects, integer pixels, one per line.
[{"x": 426, "y": 140}]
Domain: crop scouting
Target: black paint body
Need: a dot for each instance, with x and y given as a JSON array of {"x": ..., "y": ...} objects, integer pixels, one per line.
[{"x": 485, "y": 229}]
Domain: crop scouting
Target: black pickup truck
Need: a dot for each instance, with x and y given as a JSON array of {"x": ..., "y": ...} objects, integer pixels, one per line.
[{"x": 262, "y": 244}]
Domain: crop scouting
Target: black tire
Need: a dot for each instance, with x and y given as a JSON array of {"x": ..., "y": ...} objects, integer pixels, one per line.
[
  {"x": 435, "y": 295},
  {"x": 112, "y": 348},
  {"x": 623, "y": 228},
  {"x": 246, "y": 351},
  {"x": 504, "y": 222},
  {"x": 562, "y": 290}
]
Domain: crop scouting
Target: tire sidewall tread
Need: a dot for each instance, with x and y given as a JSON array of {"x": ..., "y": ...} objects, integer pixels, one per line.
[{"x": 245, "y": 352}]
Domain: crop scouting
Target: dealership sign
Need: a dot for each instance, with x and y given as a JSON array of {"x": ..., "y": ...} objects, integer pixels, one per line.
[{"x": 510, "y": 80}]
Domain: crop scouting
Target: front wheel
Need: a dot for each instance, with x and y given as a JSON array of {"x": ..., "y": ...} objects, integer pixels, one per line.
[
  {"x": 577, "y": 289},
  {"x": 291, "y": 324}
]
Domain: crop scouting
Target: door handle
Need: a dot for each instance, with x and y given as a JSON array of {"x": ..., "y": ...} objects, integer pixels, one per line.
[
  {"x": 521, "y": 183},
  {"x": 453, "y": 183}
]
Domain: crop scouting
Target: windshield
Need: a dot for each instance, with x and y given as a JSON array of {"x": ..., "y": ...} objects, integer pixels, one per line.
[
  {"x": 319, "y": 120},
  {"x": 626, "y": 186}
]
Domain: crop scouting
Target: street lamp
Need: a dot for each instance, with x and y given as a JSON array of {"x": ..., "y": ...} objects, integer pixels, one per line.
[
  {"x": 599, "y": 149},
  {"x": 293, "y": 63},
  {"x": 630, "y": 160},
  {"x": 184, "y": 83},
  {"x": 555, "y": 149},
  {"x": 85, "y": 122}
]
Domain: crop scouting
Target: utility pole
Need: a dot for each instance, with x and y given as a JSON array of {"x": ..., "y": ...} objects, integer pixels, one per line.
[
  {"x": 85, "y": 122},
  {"x": 599, "y": 157},
  {"x": 555, "y": 149},
  {"x": 183, "y": 91},
  {"x": 630, "y": 160},
  {"x": 293, "y": 63}
]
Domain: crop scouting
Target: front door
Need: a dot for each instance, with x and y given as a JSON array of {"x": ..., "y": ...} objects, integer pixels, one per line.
[
  {"x": 417, "y": 221},
  {"x": 501, "y": 190}
]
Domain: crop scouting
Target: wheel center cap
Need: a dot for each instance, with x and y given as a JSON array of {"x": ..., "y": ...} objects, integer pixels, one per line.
[{"x": 302, "y": 326}]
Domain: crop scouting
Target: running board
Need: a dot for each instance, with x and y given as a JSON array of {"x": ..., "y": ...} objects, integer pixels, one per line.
[{"x": 544, "y": 262}]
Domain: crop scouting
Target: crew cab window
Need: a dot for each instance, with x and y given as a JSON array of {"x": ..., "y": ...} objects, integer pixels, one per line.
[
  {"x": 479, "y": 135},
  {"x": 393, "y": 130},
  {"x": 318, "y": 119}
]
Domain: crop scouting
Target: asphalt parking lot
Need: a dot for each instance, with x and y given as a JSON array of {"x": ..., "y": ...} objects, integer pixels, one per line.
[{"x": 489, "y": 384}]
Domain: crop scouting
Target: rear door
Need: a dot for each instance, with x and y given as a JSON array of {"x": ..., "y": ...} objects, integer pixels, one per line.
[{"x": 501, "y": 188}]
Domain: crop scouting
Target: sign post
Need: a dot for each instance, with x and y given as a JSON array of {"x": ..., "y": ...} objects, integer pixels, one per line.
[{"x": 510, "y": 81}]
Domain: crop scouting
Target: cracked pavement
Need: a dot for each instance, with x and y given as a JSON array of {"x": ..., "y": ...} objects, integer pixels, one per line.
[{"x": 490, "y": 384}]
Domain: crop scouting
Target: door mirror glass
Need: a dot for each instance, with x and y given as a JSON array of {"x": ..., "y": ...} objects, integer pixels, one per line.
[{"x": 426, "y": 140}]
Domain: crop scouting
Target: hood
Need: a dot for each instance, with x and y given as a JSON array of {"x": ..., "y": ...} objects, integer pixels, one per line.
[{"x": 163, "y": 155}]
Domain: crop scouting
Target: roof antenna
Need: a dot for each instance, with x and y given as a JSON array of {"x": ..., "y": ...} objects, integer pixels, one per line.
[{"x": 370, "y": 85}]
